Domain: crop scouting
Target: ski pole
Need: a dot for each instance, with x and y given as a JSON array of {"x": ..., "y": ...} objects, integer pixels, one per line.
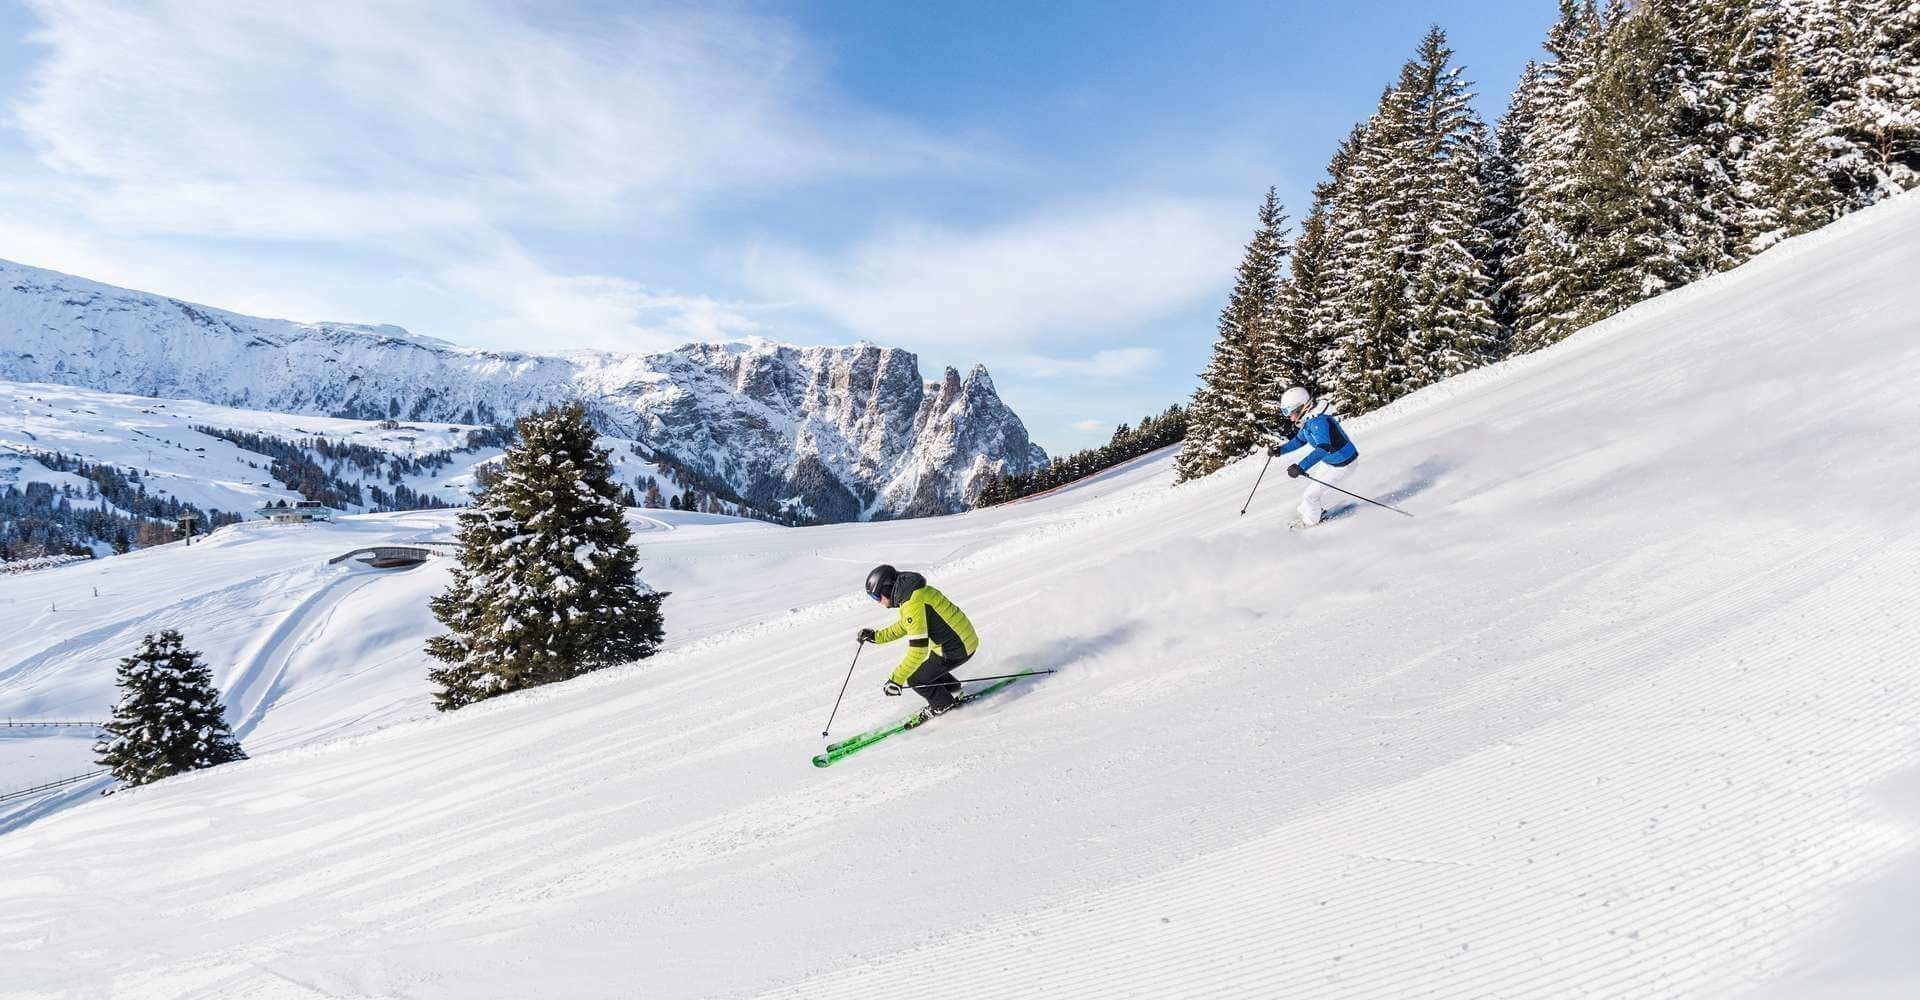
[
  {"x": 1256, "y": 484},
  {"x": 970, "y": 680},
  {"x": 843, "y": 688},
  {"x": 1357, "y": 496}
]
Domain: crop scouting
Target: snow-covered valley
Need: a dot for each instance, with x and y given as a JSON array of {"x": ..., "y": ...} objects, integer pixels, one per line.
[
  {"x": 162, "y": 440},
  {"x": 228, "y": 461},
  {"x": 1627, "y": 709}
]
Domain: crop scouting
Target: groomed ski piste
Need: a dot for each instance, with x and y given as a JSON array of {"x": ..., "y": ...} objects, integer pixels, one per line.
[{"x": 1629, "y": 709}]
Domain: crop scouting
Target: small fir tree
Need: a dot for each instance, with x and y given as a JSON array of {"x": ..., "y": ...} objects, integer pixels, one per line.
[
  {"x": 546, "y": 588},
  {"x": 169, "y": 719}
]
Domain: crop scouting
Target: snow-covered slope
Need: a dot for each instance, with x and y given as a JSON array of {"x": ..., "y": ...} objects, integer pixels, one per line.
[
  {"x": 177, "y": 449},
  {"x": 157, "y": 437},
  {"x": 847, "y": 431},
  {"x": 1628, "y": 709}
]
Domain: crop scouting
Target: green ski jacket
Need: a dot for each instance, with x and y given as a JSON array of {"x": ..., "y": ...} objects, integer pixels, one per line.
[{"x": 930, "y": 623}]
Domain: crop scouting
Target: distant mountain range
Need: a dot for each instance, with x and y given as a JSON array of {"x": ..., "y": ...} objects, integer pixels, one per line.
[{"x": 842, "y": 433}]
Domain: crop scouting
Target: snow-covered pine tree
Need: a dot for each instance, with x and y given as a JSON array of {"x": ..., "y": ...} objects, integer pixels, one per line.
[
  {"x": 1547, "y": 284},
  {"x": 1646, "y": 168},
  {"x": 1228, "y": 411},
  {"x": 1405, "y": 293},
  {"x": 546, "y": 588},
  {"x": 1860, "y": 66},
  {"x": 1625, "y": 195},
  {"x": 169, "y": 719},
  {"x": 1785, "y": 189},
  {"x": 1363, "y": 276},
  {"x": 1717, "y": 70},
  {"x": 1505, "y": 215},
  {"x": 1878, "y": 114},
  {"x": 1304, "y": 328},
  {"x": 1827, "y": 45},
  {"x": 1698, "y": 138},
  {"x": 1630, "y": 252},
  {"x": 1452, "y": 328}
]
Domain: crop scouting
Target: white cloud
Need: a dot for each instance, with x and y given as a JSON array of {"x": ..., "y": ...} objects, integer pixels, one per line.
[
  {"x": 253, "y": 287},
  {"x": 381, "y": 146},
  {"x": 600, "y": 312},
  {"x": 1067, "y": 275},
  {"x": 1108, "y": 365},
  {"x": 504, "y": 299},
  {"x": 291, "y": 121},
  {"x": 390, "y": 162},
  {"x": 1089, "y": 426}
]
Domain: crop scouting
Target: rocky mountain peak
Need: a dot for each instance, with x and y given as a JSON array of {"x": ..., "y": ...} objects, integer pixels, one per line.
[{"x": 844, "y": 432}]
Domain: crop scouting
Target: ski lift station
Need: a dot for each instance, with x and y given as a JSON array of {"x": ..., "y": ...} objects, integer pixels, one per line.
[{"x": 301, "y": 512}]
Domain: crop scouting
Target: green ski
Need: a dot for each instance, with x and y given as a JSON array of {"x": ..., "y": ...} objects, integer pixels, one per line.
[{"x": 854, "y": 744}]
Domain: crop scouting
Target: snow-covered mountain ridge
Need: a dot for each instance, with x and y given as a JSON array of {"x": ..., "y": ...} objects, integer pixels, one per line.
[{"x": 845, "y": 432}]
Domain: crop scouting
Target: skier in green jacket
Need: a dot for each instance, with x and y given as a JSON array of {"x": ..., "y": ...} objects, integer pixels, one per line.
[{"x": 939, "y": 637}]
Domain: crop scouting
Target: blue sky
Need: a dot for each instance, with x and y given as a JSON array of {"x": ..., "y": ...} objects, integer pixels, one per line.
[{"x": 1057, "y": 190}]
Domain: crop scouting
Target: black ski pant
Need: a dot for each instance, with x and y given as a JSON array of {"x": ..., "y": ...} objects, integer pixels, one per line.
[{"x": 935, "y": 682}]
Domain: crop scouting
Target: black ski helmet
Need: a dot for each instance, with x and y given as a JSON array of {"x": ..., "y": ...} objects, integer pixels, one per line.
[{"x": 880, "y": 581}]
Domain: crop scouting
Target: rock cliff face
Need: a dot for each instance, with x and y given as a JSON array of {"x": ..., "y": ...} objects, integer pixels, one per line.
[{"x": 846, "y": 433}]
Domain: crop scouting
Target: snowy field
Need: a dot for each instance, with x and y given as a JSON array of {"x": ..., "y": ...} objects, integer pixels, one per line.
[
  {"x": 157, "y": 438},
  {"x": 1629, "y": 709}
]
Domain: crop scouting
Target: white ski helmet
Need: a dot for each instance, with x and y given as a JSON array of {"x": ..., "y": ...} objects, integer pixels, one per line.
[{"x": 1295, "y": 399}]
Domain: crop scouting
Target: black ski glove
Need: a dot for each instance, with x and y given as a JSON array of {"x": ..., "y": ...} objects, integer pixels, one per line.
[
  {"x": 1273, "y": 451},
  {"x": 866, "y": 635},
  {"x": 1294, "y": 471},
  {"x": 892, "y": 689}
]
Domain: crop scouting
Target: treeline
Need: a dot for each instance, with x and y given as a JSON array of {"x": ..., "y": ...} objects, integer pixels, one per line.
[
  {"x": 113, "y": 510},
  {"x": 294, "y": 465},
  {"x": 1127, "y": 443},
  {"x": 1656, "y": 143},
  {"x": 707, "y": 494}
]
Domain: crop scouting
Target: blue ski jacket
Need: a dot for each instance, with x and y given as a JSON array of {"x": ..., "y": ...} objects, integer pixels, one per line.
[{"x": 1330, "y": 444}]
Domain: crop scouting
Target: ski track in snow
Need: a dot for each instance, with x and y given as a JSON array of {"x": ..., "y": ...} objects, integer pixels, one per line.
[
  {"x": 1627, "y": 709},
  {"x": 1605, "y": 829}
]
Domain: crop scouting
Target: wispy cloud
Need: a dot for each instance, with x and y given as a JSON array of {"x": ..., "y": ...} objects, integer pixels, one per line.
[
  {"x": 411, "y": 162},
  {"x": 591, "y": 311},
  {"x": 1072, "y": 274},
  {"x": 435, "y": 140},
  {"x": 290, "y": 121},
  {"x": 1108, "y": 365}
]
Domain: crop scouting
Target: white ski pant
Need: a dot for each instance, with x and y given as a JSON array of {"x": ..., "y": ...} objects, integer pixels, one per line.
[{"x": 1314, "y": 499}]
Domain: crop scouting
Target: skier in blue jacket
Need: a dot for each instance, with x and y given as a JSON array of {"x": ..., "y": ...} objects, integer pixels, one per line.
[{"x": 1330, "y": 445}]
